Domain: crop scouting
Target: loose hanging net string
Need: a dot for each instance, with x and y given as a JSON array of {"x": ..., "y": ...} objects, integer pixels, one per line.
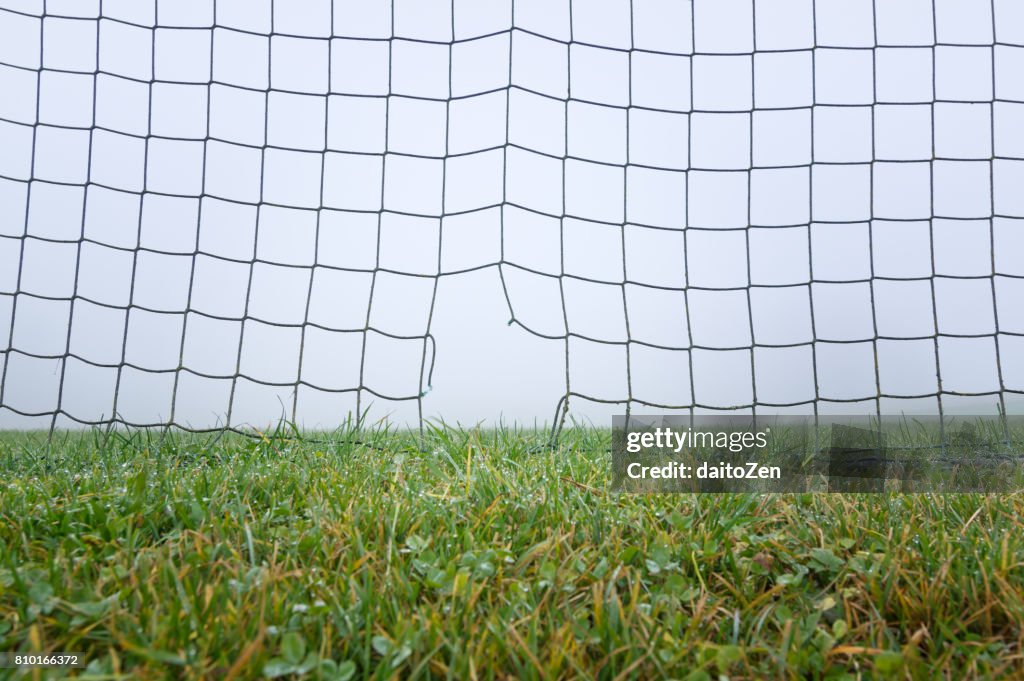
[{"x": 740, "y": 137}]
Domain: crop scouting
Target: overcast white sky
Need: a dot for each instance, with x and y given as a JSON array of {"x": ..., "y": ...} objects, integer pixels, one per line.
[{"x": 686, "y": 167}]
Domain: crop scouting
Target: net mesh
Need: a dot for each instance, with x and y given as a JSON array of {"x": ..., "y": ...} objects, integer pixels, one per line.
[{"x": 155, "y": 152}]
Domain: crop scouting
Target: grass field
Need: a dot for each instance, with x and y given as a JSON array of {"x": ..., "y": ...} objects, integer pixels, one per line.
[{"x": 482, "y": 555}]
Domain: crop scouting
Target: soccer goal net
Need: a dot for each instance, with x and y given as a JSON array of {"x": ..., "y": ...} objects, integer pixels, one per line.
[{"x": 215, "y": 213}]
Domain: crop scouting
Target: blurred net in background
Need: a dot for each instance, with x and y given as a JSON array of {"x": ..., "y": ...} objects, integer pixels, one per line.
[{"x": 207, "y": 208}]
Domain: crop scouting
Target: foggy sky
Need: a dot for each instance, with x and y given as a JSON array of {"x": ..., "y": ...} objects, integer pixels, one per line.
[{"x": 755, "y": 173}]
